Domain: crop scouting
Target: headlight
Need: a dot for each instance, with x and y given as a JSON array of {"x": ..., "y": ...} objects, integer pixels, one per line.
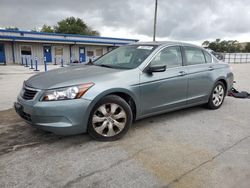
[{"x": 66, "y": 93}]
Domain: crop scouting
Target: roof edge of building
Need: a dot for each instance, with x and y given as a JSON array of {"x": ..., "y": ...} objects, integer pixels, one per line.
[{"x": 69, "y": 35}]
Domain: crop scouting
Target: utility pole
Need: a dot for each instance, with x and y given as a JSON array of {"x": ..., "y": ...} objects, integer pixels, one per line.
[{"x": 155, "y": 18}]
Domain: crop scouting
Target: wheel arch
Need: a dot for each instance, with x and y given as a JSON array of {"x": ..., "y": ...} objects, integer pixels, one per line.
[
  {"x": 223, "y": 80},
  {"x": 127, "y": 95}
]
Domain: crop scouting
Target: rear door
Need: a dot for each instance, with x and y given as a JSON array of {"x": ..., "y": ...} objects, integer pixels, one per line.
[
  {"x": 167, "y": 90},
  {"x": 200, "y": 75}
]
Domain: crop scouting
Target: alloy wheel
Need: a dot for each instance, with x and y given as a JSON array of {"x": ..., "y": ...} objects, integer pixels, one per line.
[
  {"x": 218, "y": 95},
  {"x": 109, "y": 119}
]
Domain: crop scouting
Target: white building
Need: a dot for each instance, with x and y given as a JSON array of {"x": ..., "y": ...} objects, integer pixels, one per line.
[{"x": 20, "y": 46}]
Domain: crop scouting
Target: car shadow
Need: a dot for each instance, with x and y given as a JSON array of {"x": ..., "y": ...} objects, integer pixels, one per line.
[
  {"x": 15, "y": 134},
  {"x": 146, "y": 122}
]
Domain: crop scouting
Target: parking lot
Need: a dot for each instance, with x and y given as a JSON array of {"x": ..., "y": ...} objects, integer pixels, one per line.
[{"x": 194, "y": 147}]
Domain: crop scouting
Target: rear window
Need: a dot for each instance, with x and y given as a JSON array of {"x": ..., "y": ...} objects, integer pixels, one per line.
[{"x": 194, "y": 55}]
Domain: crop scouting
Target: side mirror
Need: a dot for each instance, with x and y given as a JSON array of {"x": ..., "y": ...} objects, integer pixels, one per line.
[{"x": 156, "y": 68}]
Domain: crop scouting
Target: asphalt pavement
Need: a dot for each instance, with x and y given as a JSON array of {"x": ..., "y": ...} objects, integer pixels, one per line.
[{"x": 194, "y": 147}]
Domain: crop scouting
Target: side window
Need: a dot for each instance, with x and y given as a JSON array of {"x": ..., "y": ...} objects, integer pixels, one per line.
[
  {"x": 194, "y": 56},
  {"x": 208, "y": 57},
  {"x": 170, "y": 56}
]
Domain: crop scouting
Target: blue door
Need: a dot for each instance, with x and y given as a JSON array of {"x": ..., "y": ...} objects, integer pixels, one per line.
[
  {"x": 2, "y": 54},
  {"x": 81, "y": 54},
  {"x": 47, "y": 54}
]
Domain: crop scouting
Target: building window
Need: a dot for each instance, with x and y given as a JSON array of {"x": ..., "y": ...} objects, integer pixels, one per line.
[
  {"x": 26, "y": 50},
  {"x": 58, "y": 51},
  {"x": 82, "y": 51},
  {"x": 99, "y": 52},
  {"x": 90, "y": 53}
]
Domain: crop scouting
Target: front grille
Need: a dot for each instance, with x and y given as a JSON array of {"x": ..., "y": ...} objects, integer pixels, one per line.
[{"x": 28, "y": 94}]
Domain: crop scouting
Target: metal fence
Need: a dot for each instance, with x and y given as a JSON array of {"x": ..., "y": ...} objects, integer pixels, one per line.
[{"x": 236, "y": 57}]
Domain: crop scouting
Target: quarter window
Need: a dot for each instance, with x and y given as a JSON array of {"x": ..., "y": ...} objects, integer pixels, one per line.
[
  {"x": 170, "y": 56},
  {"x": 208, "y": 57},
  {"x": 194, "y": 56}
]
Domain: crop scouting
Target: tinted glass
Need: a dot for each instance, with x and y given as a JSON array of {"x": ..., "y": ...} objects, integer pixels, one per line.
[
  {"x": 1, "y": 48},
  {"x": 26, "y": 50},
  {"x": 194, "y": 56},
  {"x": 170, "y": 56},
  {"x": 208, "y": 57},
  {"x": 126, "y": 57}
]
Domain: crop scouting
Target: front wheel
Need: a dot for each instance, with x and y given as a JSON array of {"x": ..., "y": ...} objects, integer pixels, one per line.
[
  {"x": 110, "y": 119},
  {"x": 217, "y": 96}
]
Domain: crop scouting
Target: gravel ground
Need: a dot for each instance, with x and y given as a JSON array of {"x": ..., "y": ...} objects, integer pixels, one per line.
[{"x": 194, "y": 147}]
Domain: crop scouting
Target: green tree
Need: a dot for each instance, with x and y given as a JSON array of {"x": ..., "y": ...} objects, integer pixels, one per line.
[
  {"x": 223, "y": 46},
  {"x": 247, "y": 47},
  {"x": 219, "y": 45},
  {"x": 213, "y": 46},
  {"x": 47, "y": 28},
  {"x": 73, "y": 25},
  {"x": 205, "y": 43},
  {"x": 217, "y": 41}
]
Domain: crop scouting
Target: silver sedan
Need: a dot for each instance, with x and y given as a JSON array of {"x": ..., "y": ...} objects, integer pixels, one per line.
[{"x": 126, "y": 84}]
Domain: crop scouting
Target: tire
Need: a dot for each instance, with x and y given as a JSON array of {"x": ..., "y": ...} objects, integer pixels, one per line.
[
  {"x": 110, "y": 119},
  {"x": 217, "y": 96}
]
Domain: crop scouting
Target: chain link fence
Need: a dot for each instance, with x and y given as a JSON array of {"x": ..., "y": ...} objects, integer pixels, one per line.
[{"x": 236, "y": 57}]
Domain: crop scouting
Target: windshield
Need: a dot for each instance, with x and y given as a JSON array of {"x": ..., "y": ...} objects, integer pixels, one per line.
[{"x": 126, "y": 57}]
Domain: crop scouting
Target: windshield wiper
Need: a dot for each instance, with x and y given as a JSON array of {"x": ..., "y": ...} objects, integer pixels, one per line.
[
  {"x": 104, "y": 65},
  {"x": 112, "y": 67}
]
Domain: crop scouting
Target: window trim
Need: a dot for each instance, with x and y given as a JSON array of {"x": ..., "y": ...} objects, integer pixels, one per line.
[{"x": 163, "y": 48}]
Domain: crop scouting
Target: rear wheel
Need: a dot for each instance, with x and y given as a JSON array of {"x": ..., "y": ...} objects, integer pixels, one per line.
[
  {"x": 217, "y": 96},
  {"x": 110, "y": 119}
]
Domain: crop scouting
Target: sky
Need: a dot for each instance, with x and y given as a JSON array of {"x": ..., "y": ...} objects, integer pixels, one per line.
[{"x": 179, "y": 20}]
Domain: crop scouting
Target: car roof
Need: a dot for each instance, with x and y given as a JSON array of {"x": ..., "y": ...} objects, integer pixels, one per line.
[{"x": 164, "y": 43}]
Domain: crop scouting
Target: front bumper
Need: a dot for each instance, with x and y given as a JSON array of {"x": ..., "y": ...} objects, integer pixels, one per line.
[{"x": 65, "y": 117}]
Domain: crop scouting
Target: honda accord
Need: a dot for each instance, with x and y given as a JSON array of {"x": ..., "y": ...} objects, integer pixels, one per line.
[{"x": 129, "y": 83}]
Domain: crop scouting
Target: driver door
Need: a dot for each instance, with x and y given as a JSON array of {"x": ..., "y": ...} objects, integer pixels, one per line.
[{"x": 163, "y": 91}]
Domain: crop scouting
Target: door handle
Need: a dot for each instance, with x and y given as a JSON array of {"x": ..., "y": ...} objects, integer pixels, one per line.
[
  {"x": 182, "y": 73},
  {"x": 210, "y": 68}
]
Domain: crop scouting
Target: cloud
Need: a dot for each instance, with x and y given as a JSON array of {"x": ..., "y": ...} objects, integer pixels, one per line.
[{"x": 188, "y": 20}]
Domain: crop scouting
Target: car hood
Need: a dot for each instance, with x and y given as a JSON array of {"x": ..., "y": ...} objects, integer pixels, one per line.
[{"x": 71, "y": 75}]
